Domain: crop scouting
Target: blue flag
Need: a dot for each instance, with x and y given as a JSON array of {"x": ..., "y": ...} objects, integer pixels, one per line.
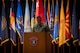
[
  {"x": 74, "y": 25},
  {"x": 19, "y": 22},
  {"x": 12, "y": 25},
  {"x": 45, "y": 11},
  {"x": 4, "y": 26},
  {"x": 51, "y": 17},
  {"x": 56, "y": 23},
  {"x": 33, "y": 14}
]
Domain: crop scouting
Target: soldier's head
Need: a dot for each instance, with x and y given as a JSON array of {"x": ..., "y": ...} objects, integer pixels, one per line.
[{"x": 39, "y": 20}]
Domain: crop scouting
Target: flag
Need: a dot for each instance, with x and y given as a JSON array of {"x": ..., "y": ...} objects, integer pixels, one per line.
[
  {"x": 45, "y": 11},
  {"x": 19, "y": 22},
  {"x": 12, "y": 25},
  {"x": 53, "y": 6},
  {"x": 79, "y": 32},
  {"x": 56, "y": 23},
  {"x": 33, "y": 14},
  {"x": 51, "y": 15},
  {"x": 27, "y": 18},
  {"x": 40, "y": 10},
  {"x": 62, "y": 26},
  {"x": 48, "y": 13},
  {"x": 74, "y": 24},
  {"x": 67, "y": 23},
  {"x": 4, "y": 26},
  {"x": 79, "y": 27},
  {"x": 0, "y": 30}
]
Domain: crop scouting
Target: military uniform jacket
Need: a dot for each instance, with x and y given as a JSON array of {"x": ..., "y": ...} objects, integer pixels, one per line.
[{"x": 41, "y": 28}]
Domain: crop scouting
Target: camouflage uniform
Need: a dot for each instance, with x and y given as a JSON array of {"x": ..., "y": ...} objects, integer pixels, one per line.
[{"x": 41, "y": 28}]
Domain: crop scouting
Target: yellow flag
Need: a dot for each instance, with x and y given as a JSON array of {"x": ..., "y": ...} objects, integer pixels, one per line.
[{"x": 62, "y": 26}]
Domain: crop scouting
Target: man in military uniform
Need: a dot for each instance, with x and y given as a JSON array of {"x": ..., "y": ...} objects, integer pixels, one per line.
[{"x": 40, "y": 26}]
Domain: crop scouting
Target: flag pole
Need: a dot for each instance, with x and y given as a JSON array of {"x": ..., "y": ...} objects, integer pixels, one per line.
[
  {"x": 58, "y": 47},
  {"x": 18, "y": 44},
  {"x": 76, "y": 49},
  {"x": 69, "y": 50},
  {"x": 61, "y": 51},
  {"x": 57, "y": 44},
  {"x": 5, "y": 43},
  {"x": 5, "y": 48},
  {"x": 11, "y": 47},
  {"x": 63, "y": 48},
  {"x": 53, "y": 47}
]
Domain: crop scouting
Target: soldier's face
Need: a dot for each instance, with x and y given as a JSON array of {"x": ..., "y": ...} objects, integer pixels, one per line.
[{"x": 38, "y": 20}]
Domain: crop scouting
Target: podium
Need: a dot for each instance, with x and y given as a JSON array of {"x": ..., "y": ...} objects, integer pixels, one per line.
[{"x": 37, "y": 42}]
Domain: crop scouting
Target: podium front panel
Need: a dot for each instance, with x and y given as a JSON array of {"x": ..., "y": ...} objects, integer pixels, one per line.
[{"x": 34, "y": 43}]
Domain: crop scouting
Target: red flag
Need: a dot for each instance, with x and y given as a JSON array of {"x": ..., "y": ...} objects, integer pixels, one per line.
[
  {"x": 67, "y": 22},
  {"x": 40, "y": 10}
]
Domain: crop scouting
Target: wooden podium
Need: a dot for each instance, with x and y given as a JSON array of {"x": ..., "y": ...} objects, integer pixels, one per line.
[{"x": 37, "y": 42}]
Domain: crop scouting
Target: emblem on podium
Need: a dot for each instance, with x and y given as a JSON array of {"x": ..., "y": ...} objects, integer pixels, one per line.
[{"x": 33, "y": 41}]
